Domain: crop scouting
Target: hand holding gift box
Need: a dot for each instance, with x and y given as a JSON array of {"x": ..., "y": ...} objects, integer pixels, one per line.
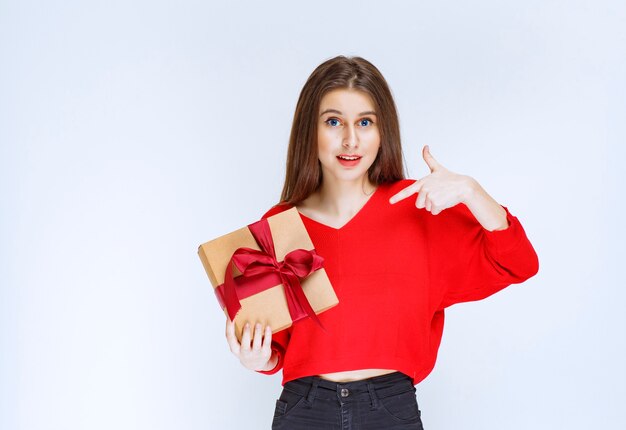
[{"x": 269, "y": 273}]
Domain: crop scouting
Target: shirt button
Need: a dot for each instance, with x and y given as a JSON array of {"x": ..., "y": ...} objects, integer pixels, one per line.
[{"x": 345, "y": 392}]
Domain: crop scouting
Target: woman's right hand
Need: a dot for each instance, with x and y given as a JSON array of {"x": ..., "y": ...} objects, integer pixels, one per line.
[{"x": 254, "y": 353}]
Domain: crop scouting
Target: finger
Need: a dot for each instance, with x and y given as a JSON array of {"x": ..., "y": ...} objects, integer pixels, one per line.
[
  {"x": 420, "y": 202},
  {"x": 428, "y": 206},
  {"x": 267, "y": 341},
  {"x": 233, "y": 343},
  {"x": 406, "y": 192},
  {"x": 258, "y": 335},
  {"x": 245, "y": 338},
  {"x": 438, "y": 207},
  {"x": 429, "y": 159}
]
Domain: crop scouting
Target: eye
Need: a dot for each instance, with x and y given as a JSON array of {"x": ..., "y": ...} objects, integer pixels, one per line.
[
  {"x": 365, "y": 122},
  {"x": 333, "y": 122}
]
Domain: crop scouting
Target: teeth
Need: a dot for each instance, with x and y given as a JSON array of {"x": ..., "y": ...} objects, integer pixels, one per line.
[{"x": 349, "y": 158}]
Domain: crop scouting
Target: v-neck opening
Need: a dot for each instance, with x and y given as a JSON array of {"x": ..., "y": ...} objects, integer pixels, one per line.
[{"x": 351, "y": 220}]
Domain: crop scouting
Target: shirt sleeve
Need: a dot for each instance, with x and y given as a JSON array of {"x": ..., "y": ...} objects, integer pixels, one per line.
[
  {"x": 472, "y": 263},
  {"x": 280, "y": 340}
]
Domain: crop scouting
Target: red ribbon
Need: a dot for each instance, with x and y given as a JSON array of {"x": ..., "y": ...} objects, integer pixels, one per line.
[{"x": 261, "y": 270}]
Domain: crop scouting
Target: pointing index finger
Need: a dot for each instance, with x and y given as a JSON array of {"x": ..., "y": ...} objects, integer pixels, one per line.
[{"x": 406, "y": 192}]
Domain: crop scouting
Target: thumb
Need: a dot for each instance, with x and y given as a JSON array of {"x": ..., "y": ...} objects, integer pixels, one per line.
[{"x": 429, "y": 159}]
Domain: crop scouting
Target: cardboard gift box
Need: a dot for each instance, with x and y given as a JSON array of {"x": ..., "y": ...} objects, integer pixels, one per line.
[{"x": 266, "y": 289}]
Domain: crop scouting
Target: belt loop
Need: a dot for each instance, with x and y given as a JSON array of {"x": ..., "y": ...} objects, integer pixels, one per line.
[
  {"x": 312, "y": 391},
  {"x": 373, "y": 396}
]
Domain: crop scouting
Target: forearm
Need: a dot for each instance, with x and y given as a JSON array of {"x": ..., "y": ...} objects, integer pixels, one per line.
[{"x": 488, "y": 212}]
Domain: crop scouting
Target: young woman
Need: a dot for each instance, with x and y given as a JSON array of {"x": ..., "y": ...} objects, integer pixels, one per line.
[{"x": 397, "y": 252}]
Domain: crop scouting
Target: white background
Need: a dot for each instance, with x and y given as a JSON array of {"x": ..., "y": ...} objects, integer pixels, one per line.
[{"x": 132, "y": 131}]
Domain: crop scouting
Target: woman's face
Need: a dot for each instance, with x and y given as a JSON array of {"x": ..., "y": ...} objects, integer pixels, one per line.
[{"x": 347, "y": 134}]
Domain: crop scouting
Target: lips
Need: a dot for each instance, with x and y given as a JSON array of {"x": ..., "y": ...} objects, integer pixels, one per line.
[
  {"x": 349, "y": 157},
  {"x": 349, "y": 160}
]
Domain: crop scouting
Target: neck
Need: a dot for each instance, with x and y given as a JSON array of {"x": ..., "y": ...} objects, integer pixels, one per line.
[{"x": 345, "y": 197}]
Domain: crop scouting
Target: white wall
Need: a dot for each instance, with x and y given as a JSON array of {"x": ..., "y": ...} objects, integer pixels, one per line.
[{"x": 132, "y": 131}]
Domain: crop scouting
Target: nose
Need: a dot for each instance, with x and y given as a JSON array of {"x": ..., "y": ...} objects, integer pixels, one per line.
[{"x": 350, "y": 139}]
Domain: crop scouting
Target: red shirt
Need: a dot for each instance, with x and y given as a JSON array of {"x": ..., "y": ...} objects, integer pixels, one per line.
[{"x": 394, "y": 269}]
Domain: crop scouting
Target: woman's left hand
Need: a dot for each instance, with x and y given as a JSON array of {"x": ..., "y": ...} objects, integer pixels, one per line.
[{"x": 441, "y": 189}]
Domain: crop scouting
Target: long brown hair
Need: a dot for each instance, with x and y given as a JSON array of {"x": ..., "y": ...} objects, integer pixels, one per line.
[{"x": 303, "y": 174}]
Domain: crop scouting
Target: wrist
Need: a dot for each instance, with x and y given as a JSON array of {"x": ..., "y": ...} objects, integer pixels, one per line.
[
  {"x": 470, "y": 190},
  {"x": 488, "y": 212}
]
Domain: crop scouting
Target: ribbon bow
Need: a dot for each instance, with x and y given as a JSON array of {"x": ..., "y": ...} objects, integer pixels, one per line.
[{"x": 261, "y": 270}]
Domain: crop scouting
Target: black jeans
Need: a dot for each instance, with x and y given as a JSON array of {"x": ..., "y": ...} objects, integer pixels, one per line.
[{"x": 382, "y": 402}]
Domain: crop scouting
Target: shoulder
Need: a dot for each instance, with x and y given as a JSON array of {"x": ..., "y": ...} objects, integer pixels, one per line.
[
  {"x": 277, "y": 208},
  {"x": 389, "y": 189},
  {"x": 394, "y": 187}
]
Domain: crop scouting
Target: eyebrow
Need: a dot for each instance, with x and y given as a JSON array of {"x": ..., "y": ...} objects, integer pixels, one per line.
[{"x": 369, "y": 112}]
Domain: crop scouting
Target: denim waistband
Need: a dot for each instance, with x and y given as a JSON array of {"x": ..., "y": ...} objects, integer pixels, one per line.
[{"x": 383, "y": 386}]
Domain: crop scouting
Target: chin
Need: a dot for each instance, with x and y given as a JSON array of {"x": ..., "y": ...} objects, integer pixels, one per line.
[
  {"x": 348, "y": 175},
  {"x": 351, "y": 176}
]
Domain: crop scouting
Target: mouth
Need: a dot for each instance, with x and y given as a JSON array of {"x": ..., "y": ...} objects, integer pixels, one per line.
[
  {"x": 349, "y": 157},
  {"x": 349, "y": 160}
]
